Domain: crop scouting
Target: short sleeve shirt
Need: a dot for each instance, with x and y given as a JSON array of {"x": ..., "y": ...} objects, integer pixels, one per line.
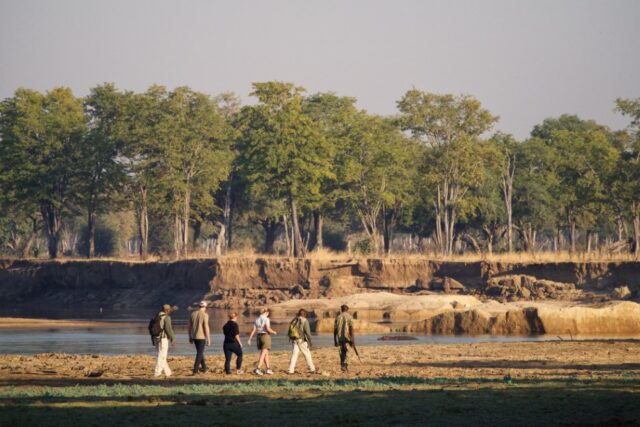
[
  {"x": 262, "y": 324},
  {"x": 230, "y": 330}
]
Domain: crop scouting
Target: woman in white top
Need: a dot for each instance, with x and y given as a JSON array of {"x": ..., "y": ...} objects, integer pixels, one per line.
[{"x": 262, "y": 327}]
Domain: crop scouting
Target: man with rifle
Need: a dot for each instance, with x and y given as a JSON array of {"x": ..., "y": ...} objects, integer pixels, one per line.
[{"x": 344, "y": 336}]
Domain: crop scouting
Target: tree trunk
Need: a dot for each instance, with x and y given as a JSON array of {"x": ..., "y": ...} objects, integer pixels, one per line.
[
  {"x": 489, "y": 236},
  {"x": 91, "y": 232},
  {"x": 286, "y": 234},
  {"x": 507, "y": 192},
  {"x": 386, "y": 234},
  {"x": 298, "y": 247},
  {"x": 572, "y": 232},
  {"x": 221, "y": 240},
  {"x": 620, "y": 226},
  {"x": 317, "y": 230},
  {"x": 177, "y": 235},
  {"x": 52, "y": 217},
  {"x": 28, "y": 244},
  {"x": 636, "y": 230},
  {"x": 227, "y": 216},
  {"x": 270, "y": 227},
  {"x": 589, "y": 234},
  {"x": 471, "y": 241},
  {"x": 197, "y": 231},
  {"x": 390, "y": 218},
  {"x": 185, "y": 222},
  {"x": 143, "y": 223}
]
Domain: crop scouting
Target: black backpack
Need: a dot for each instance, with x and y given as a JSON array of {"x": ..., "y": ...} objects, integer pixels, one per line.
[{"x": 155, "y": 329}]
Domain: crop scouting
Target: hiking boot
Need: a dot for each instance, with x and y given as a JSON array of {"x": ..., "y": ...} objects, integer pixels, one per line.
[
  {"x": 290, "y": 373},
  {"x": 239, "y": 372},
  {"x": 269, "y": 372},
  {"x": 258, "y": 372},
  {"x": 227, "y": 372}
]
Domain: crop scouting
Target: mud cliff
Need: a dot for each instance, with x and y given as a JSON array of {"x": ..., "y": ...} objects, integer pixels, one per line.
[{"x": 250, "y": 282}]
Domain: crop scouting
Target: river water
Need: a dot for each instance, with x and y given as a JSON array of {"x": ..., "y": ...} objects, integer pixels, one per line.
[{"x": 129, "y": 335}]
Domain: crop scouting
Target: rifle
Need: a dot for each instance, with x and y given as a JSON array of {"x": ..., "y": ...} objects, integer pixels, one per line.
[{"x": 355, "y": 350}]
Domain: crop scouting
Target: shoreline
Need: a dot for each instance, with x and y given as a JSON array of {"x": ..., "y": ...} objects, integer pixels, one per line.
[{"x": 44, "y": 323}]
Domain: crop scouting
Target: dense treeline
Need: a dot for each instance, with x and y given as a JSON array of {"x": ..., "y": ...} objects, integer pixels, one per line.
[{"x": 118, "y": 172}]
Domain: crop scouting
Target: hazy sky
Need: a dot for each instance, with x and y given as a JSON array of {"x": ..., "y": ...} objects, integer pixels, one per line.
[{"x": 524, "y": 60}]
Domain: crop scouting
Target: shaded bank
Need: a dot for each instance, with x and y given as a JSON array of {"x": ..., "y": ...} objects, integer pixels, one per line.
[{"x": 250, "y": 282}]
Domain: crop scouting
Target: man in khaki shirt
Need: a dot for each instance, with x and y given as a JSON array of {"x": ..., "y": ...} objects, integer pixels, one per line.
[{"x": 199, "y": 334}]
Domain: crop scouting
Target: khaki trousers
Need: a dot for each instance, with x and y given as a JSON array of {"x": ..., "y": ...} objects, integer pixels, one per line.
[
  {"x": 300, "y": 346},
  {"x": 161, "y": 363}
]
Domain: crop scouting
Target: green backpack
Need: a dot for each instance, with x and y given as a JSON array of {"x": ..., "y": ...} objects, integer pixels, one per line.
[{"x": 294, "y": 330}]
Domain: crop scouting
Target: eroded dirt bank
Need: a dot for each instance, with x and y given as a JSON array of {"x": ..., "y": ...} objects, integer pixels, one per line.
[
  {"x": 588, "y": 291},
  {"x": 249, "y": 282}
]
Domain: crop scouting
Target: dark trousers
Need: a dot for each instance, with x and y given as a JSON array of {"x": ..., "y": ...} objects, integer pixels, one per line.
[
  {"x": 200, "y": 355},
  {"x": 230, "y": 348}
]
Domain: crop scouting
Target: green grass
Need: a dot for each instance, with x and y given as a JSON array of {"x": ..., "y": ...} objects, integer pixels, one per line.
[{"x": 382, "y": 401}]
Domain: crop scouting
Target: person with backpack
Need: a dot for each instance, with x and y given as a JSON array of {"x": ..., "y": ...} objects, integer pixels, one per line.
[
  {"x": 344, "y": 336},
  {"x": 300, "y": 336},
  {"x": 262, "y": 327},
  {"x": 232, "y": 344},
  {"x": 199, "y": 334},
  {"x": 162, "y": 334}
]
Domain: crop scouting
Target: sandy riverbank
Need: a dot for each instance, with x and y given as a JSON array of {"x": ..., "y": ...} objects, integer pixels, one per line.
[
  {"x": 557, "y": 359},
  {"x": 28, "y": 323}
]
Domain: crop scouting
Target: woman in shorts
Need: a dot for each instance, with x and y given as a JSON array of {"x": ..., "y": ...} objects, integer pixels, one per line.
[{"x": 262, "y": 327}]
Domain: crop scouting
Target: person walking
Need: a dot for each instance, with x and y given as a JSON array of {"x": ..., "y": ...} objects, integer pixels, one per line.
[
  {"x": 232, "y": 344},
  {"x": 165, "y": 338},
  {"x": 344, "y": 336},
  {"x": 199, "y": 334},
  {"x": 300, "y": 336},
  {"x": 262, "y": 327}
]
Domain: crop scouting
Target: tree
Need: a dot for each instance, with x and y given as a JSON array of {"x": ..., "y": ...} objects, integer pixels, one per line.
[
  {"x": 628, "y": 180},
  {"x": 41, "y": 147},
  {"x": 507, "y": 148},
  {"x": 282, "y": 151},
  {"x": 140, "y": 156},
  {"x": 195, "y": 155},
  {"x": 449, "y": 127},
  {"x": 375, "y": 168},
  {"x": 335, "y": 116},
  {"x": 586, "y": 160},
  {"x": 102, "y": 173},
  {"x": 535, "y": 192}
]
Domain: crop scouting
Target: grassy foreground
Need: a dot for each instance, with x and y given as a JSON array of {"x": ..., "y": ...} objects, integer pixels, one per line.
[
  {"x": 578, "y": 383},
  {"x": 382, "y": 401}
]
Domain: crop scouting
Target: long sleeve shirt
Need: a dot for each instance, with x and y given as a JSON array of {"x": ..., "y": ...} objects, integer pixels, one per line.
[{"x": 167, "y": 328}]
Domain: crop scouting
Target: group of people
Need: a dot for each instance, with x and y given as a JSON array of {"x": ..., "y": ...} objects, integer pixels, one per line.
[{"x": 299, "y": 333}]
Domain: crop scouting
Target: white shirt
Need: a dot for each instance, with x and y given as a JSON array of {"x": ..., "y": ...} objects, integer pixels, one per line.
[{"x": 262, "y": 323}]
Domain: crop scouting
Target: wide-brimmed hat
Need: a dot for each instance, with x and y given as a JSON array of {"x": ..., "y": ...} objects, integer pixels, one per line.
[
  {"x": 202, "y": 304},
  {"x": 170, "y": 307}
]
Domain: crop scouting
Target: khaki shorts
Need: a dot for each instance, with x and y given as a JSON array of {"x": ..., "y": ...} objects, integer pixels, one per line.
[{"x": 264, "y": 342}]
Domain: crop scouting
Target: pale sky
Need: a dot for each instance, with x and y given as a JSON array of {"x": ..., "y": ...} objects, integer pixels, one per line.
[{"x": 524, "y": 60}]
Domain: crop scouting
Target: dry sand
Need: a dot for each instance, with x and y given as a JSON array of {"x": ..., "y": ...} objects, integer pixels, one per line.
[{"x": 601, "y": 360}]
